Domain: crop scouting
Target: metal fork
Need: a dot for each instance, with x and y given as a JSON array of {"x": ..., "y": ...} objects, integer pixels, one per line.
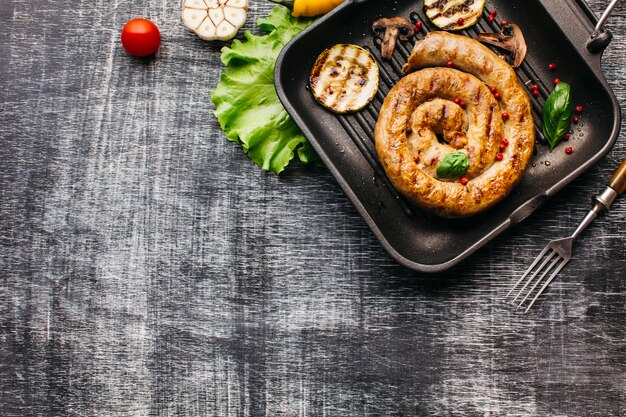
[{"x": 559, "y": 252}]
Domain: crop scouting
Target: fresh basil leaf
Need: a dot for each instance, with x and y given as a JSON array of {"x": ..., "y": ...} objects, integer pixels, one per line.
[
  {"x": 557, "y": 114},
  {"x": 453, "y": 165}
]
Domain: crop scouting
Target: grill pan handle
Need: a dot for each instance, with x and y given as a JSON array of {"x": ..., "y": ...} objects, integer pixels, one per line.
[{"x": 600, "y": 38}]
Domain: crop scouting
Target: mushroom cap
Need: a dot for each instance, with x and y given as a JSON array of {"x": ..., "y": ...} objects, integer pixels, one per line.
[
  {"x": 511, "y": 39},
  {"x": 400, "y": 23}
]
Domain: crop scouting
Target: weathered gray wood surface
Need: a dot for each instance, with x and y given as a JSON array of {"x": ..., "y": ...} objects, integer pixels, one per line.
[{"x": 149, "y": 268}]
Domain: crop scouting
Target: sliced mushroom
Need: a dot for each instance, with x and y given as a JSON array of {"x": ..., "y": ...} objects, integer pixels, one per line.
[
  {"x": 393, "y": 27},
  {"x": 214, "y": 19},
  {"x": 511, "y": 39}
]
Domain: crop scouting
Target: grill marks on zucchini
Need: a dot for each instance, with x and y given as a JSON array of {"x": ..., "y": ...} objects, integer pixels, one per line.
[
  {"x": 344, "y": 78},
  {"x": 445, "y": 14}
]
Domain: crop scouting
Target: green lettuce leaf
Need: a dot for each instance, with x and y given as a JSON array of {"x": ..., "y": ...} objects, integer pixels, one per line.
[{"x": 246, "y": 104}]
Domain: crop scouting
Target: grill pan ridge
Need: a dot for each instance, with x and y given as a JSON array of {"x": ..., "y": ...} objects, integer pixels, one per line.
[{"x": 414, "y": 238}]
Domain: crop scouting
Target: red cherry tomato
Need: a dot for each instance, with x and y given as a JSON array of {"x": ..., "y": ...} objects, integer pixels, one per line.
[{"x": 141, "y": 37}]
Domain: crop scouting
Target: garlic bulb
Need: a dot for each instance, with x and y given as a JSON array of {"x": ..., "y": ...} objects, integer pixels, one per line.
[{"x": 214, "y": 19}]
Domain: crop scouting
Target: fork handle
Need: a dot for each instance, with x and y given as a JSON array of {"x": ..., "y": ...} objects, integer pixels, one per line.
[
  {"x": 618, "y": 180},
  {"x": 616, "y": 186}
]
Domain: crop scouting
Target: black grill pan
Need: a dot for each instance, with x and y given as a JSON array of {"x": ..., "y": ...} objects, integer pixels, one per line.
[{"x": 555, "y": 30}]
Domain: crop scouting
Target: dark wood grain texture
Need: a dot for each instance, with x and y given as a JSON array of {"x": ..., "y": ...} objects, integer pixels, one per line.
[{"x": 149, "y": 268}]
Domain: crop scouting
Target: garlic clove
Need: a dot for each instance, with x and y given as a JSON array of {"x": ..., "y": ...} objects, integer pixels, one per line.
[
  {"x": 243, "y": 4},
  {"x": 225, "y": 31},
  {"x": 207, "y": 30},
  {"x": 235, "y": 15},
  {"x": 192, "y": 18},
  {"x": 216, "y": 15}
]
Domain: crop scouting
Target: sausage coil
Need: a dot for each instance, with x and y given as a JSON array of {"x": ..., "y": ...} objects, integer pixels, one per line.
[{"x": 420, "y": 123}]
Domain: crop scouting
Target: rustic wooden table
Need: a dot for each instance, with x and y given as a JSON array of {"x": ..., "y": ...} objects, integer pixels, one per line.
[{"x": 149, "y": 268}]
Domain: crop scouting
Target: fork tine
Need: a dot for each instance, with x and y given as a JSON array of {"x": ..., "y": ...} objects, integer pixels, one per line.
[
  {"x": 554, "y": 274},
  {"x": 529, "y": 280},
  {"x": 545, "y": 272},
  {"x": 537, "y": 259}
]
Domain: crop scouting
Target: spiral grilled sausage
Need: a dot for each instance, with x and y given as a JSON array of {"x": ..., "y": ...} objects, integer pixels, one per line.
[{"x": 421, "y": 107}]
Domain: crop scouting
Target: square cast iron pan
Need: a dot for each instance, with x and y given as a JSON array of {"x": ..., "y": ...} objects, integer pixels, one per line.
[{"x": 555, "y": 31}]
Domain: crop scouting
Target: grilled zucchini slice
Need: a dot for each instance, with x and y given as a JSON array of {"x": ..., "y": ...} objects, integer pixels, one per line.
[
  {"x": 344, "y": 78},
  {"x": 446, "y": 14}
]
